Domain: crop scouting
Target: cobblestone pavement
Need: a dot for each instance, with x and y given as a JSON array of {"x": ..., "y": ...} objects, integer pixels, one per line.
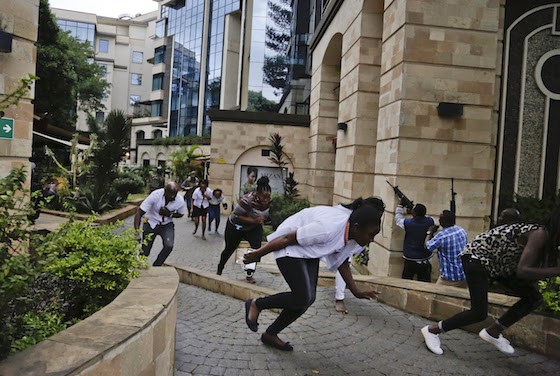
[{"x": 373, "y": 339}]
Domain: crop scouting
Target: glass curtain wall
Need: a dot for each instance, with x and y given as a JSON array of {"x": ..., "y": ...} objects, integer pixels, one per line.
[
  {"x": 185, "y": 24},
  {"x": 218, "y": 12},
  {"x": 268, "y": 66},
  {"x": 84, "y": 32}
]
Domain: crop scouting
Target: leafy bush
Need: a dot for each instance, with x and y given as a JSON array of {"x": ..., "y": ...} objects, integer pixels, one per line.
[
  {"x": 550, "y": 290},
  {"x": 36, "y": 328},
  {"x": 127, "y": 183},
  {"x": 99, "y": 260},
  {"x": 283, "y": 207},
  {"x": 92, "y": 201}
]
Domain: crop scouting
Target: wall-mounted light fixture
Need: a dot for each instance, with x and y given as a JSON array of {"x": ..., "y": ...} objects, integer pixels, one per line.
[
  {"x": 5, "y": 41},
  {"x": 446, "y": 109},
  {"x": 342, "y": 127}
]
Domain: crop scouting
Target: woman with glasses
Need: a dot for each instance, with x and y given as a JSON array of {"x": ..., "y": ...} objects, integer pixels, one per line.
[{"x": 245, "y": 223}]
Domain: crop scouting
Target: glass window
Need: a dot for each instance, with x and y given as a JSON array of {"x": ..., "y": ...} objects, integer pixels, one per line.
[
  {"x": 99, "y": 117},
  {"x": 103, "y": 45},
  {"x": 136, "y": 79},
  {"x": 157, "y": 82},
  {"x": 104, "y": 69},
  {"x": 160, "y": 28},
  {"x": 158, "y": 134},
  {"x": 156, "y": 109},
  {"x": 140, "y": 135},
  {"x": 137, "y": 57},
  {"x": 134, "y": 99},
  {"x": 159, "y": 55},
  {"x": 146, "y": 162}
]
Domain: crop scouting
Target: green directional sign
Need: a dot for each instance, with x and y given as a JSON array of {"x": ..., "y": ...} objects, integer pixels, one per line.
[{"x": 6, "y": 128}]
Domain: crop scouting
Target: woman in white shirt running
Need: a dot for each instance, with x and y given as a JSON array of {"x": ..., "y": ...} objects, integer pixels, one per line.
[{"x": 332, "y": 234}]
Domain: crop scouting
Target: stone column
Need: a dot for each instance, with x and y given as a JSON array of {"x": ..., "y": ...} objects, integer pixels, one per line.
[
  {"x": 436, "y": 51},
  {"x": 359, "y": 104},
  {"x": 20, "y": 18},
  {"x": 323, "y": 112}
]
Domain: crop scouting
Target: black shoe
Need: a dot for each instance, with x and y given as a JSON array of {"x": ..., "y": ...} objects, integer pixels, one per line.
[{"x": 285, "y": 347}]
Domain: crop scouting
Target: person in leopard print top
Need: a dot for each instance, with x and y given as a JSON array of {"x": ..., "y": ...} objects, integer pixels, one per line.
[{"x": 515, "y": 254}]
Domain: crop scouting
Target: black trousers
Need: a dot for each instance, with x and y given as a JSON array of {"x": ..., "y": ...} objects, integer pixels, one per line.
[
  {"x": 478, "y": 281},
  {"x": 167, "y": 233},
  {"x": 302, "y": 276},
  {"x": 422, "y": 269},
  {"x": 233, "y": 237}
]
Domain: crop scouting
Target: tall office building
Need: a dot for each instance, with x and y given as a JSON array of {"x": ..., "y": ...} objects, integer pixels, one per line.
[
  {"x": 122, "y": 46},
  {"x": 227, "y": 54}
]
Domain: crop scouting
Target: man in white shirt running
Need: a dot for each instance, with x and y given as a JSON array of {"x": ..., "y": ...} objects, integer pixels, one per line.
[{"x": 160, "y": 207}]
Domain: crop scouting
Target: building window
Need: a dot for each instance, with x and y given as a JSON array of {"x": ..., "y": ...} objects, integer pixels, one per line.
[
  {"x": 161, "y": 164},
  {"x": 99, "y": 117},
  {"x": 160, "y": 28},
  {"x": 157, "y": 82},
  {"x": 135, "y": 79},
  {"x": 137, "y": 57},
  {"x": 158, "y": 134},
  {"x": 159, "y": 55},
  {"x": 140, "y": 135},
  {"x": 103, "y": 45},
  {"x": 156, "y": 109},
  {"x": 104, "y": 68},
  {"x": 83, "y": 31},
  {"x": 134, "y": 99},
  {"x": 145, "y": 162}
]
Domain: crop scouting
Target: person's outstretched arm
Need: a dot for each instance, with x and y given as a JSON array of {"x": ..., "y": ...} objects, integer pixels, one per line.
[
  {"x": 527, "y": 267},
  {"x": 346, "y": 274},
  {"x": 273, "y": 245}
]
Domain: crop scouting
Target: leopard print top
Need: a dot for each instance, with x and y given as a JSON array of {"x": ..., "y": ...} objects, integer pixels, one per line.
[{"x": 499, "y": 249}]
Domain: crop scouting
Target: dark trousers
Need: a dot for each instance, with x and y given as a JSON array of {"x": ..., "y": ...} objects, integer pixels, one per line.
[
  {"x": 214, "y": 214},
  {"x": 478, "y": 281},
  {"x": 422, "y": 269},
  {"x": 167, "y": 233},
  {"x": 233, "y": 237},
  {"x": 301, "y": 275}
]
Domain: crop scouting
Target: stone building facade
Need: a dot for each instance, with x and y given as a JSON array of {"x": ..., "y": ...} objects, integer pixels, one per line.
[
  {"x": 18, "y": 22},
  {"x": 419, "y": 92}
]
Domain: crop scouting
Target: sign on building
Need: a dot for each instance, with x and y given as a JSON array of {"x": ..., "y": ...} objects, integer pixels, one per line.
[{"x": 6, "y": 128}]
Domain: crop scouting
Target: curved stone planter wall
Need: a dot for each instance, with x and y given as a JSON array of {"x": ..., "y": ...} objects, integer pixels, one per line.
[{"x": 134, "y": 335}]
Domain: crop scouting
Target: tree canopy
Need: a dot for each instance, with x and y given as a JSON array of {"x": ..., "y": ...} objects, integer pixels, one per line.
[
  {"x": 68, "y": 77},
  {"x": 275, "y": 68}
]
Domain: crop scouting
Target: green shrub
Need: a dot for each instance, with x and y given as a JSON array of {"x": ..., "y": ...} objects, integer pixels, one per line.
[
  {"x": 101, "y": 261},
  {"x": 36, "y": 328},
  {"x": 550, "y": 290},
  {"x": 283, "y": 207},
  {"x": 127, "y": 183}
]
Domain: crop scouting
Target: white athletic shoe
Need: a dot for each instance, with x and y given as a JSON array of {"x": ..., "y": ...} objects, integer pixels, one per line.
[
  {"x": 432, "y": 341},
  {"x": 501, "y": 343}
]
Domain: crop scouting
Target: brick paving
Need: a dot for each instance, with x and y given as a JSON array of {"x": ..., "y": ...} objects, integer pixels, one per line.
[{"x": 373, "y": 339}]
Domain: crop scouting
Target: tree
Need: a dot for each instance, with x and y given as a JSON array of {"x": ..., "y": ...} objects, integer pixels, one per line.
[
  {"x": 258, "y": 102},
  {"x": 275, "y": 68},
  {"x": 69, "y": 80},
  {"x": 186, "y": 160}
]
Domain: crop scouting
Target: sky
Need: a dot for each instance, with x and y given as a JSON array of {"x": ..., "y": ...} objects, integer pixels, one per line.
[{"x": 108, "y": 8}]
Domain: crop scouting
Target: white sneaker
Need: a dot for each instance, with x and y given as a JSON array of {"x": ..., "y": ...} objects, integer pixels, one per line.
[
  {"x": 501, "y": 343},
  {"x": 432, "y": 341}
]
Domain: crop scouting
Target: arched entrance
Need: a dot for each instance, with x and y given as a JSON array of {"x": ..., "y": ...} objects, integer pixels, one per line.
[{"x": 323, "y": 119}]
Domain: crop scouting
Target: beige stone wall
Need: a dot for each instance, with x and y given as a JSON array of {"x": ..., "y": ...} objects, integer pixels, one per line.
[
  {"x": 134, "y": 335},
  {"x": 438, "y": 51},
  {"x": 231, "y": 142},
  {"x": 20, "y": 18}
]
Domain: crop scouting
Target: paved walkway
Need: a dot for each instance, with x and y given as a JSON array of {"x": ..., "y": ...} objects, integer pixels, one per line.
[{"x": 373, "y": 339}]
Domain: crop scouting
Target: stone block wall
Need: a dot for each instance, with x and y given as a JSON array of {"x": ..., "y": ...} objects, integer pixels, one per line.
[
  {"x": 20, "y": 18},
  {"x": 235, "y": 139},
  {"x": 432, "y": 52},
  {"x": 134, "y": 335}
]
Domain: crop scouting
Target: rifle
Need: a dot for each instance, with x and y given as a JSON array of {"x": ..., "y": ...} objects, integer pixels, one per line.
[
  {"x": 452, "y": 205},
  {"x": 405, "y": 201}
]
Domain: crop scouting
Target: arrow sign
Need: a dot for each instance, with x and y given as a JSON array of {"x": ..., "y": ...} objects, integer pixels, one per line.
[{"x": 6, "y": 128}]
